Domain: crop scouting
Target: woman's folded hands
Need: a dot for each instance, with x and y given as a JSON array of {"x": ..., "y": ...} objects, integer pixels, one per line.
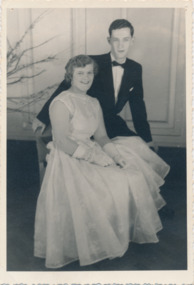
[
  {"x": 106, "y": 156},
  {"x": 93, "y": 155}
]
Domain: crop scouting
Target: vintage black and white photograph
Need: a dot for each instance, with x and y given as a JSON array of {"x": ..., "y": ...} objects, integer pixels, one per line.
[{"x": 97, "y": 140}]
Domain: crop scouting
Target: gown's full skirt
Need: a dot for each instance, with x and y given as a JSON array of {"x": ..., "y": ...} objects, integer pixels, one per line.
[{"x": 88, "y": 212}]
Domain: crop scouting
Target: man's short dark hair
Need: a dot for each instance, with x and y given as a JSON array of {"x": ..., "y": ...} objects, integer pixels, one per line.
[{"x": 119, "y": 24}]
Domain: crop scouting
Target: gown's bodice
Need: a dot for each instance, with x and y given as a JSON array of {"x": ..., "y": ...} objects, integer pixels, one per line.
[{"x": 84, "y": 114}]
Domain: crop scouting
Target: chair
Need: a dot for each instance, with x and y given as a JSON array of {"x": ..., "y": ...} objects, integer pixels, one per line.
[{"x": 41, "y": 142}]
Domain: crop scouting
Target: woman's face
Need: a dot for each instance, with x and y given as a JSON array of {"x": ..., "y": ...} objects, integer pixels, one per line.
[{"x": 82, "y": 78}]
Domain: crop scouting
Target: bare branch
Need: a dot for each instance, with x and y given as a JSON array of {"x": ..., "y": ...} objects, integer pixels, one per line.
[
  {"x": 33, "y": 99},
  {"x": 31, "y": 26},
  {"x": 18, "y": 57},
  {"x": 50, "y": 58},
  {"x": 9, "y": 47},
  {"x": 43, "y": 43},
  {"x": 24, "y": 77},
  {"x": 35, "y": 96},
  {"x": 10, "y": 110}
]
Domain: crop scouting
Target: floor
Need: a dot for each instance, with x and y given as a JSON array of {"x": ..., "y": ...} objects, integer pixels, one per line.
[{"x": 22, "y": 192}]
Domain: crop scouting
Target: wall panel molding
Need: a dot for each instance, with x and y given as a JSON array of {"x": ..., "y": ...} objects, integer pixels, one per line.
[
  {"x": 170, "y": 130},
  {"x": 173, "y": 69},
  {"x": 78, "y": 31}
]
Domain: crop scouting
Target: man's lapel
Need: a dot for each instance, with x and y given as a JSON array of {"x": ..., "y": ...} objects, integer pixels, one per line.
[
  {"x": 126, "y": 86},
  {"x": 107, "y": 78}
]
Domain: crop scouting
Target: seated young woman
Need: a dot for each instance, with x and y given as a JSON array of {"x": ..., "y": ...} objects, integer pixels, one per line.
[{"x": 97, "y": 195}]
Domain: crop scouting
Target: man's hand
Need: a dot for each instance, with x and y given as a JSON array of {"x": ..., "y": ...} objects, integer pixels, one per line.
[
  {"x": 38, "y": 125},
  {"x": 119, "y": 160},
  {"x": 153, "y": 146}
]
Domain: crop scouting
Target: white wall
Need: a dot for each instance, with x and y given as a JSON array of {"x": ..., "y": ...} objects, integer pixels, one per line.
[{"x": 159, "y": 46}]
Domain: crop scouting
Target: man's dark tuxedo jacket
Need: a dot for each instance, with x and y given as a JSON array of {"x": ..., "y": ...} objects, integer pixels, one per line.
[{"x": 131, "y": 91}]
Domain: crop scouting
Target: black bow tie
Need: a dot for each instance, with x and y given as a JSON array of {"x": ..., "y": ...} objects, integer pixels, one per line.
[{"x": 115, "y": 63}]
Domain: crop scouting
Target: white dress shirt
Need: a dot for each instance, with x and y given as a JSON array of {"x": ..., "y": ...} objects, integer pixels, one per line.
[{"x": 117, "y": 72}]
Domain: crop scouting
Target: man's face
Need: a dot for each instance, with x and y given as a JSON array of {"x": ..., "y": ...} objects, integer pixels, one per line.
[{"x": 120, "y": 41}]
